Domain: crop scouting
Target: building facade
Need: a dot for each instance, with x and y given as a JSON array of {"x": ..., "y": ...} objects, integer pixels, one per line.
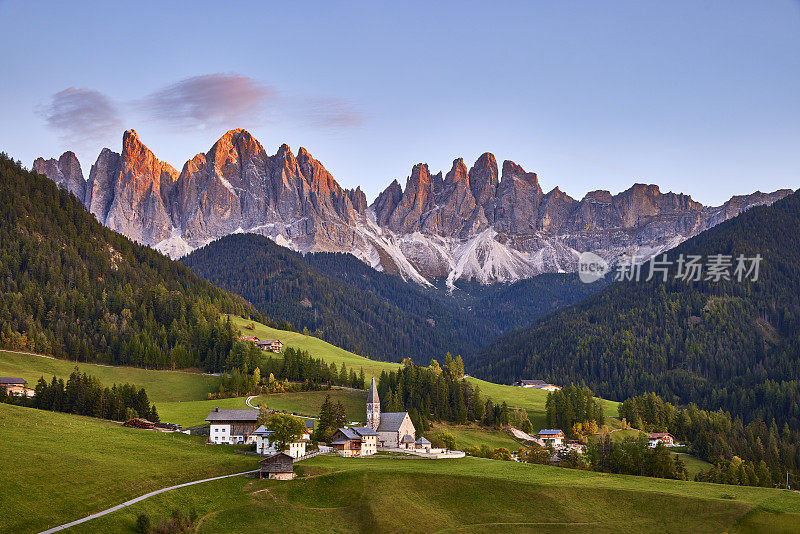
[
  {"x": 391, "y": 427},
  {"x": 232, "y": 426}
]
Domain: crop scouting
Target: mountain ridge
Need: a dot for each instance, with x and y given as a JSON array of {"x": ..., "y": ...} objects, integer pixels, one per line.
[{"x": 482, "y": 223}]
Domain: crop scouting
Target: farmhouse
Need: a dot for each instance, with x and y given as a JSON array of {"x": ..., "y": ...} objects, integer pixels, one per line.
[
  {"x": 297, "y": 449},
  {"x": 271, "y": 345},
  {"x": 552, "y": 436},
  {"x": 537, "y": 384},
  {"x": 232, "y": 426},
  {"x": 279, "y": 466},
  {"x": 16, "y": 387},
  {"x": 661, "y": 437},
  {"x": 390, "y": 426},
  {"x": 355, "y": 441}
]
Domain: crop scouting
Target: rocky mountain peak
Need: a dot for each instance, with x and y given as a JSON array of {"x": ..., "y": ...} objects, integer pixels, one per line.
[
  {"x": 66, "y": 172},
  {"x": 483, "y": 181}
]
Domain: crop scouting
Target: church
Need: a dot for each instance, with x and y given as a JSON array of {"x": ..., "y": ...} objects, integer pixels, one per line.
[{"x": 393, "y": 428}]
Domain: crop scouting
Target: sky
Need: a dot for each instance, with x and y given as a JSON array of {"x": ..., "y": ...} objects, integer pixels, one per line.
[{"x": 699, "y": 97}]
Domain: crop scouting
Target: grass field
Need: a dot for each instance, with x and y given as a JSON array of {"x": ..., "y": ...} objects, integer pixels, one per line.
[
  {"x": 304, "y": 403},
  {"x": 308, "y": 403},
  {"x": 472, "y": 435},
  {"x": 59, "y": 467},
  {"x": 467, "y": 495},
  {"x": 160, "y": 385}
]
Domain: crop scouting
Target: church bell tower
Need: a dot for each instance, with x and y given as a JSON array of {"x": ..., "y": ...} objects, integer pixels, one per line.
[{"x": 373, "y": 407}]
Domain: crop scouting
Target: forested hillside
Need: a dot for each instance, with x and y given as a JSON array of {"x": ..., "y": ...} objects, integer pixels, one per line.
[
  {"x": 347, "y": 303},
  {"x": 74, "y": 289},
  {"x": 728, "y": 344}
]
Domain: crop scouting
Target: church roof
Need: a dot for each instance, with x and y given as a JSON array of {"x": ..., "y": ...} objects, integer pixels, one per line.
[
  {"x": 391, "y": 421},
  {"x": 372, "y": 394}
]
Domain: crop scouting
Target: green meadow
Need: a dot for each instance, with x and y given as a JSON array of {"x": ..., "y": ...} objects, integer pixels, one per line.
[
  {"x": 60, "y": 467},
  {"x": 303, "y": 403},
  {"x": 384, "y": 494},
  {"x": 160, "y": 385}
]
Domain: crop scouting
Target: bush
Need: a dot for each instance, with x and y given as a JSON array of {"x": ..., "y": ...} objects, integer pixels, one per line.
[{"x": 143, "y": 524}]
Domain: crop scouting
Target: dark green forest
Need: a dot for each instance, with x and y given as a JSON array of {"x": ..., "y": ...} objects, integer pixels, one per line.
[
  {"x": 345, "y": 302},
  {"x": 729, "y": 344},
  {"x": 71, "y": 288}
]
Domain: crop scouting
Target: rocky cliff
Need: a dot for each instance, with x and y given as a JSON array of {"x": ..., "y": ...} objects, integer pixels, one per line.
[{"x": 471, "y": 223}]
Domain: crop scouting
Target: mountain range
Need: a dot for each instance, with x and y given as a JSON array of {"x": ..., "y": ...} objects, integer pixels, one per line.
[{"x": 485, "y": 223}]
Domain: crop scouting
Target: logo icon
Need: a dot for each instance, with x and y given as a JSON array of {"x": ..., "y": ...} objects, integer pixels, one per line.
[{"x": 591, "y": 267}]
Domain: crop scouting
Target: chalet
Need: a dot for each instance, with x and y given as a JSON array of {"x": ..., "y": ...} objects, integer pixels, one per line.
[
  {"x": 536, "y": 384},
  {"x": 391, "y": 427},
  {"x": 231, "y": 426},
  {"x": 661, "y": 437},
  {"x": 297, "y": 449},
  {"x": 552, "y": 436},
  {"x": 271, "y": 345},
  {"x": 279, "y": 466},
  {"x": 355, "y": 441},
  {"x": 16, "y": 387}
]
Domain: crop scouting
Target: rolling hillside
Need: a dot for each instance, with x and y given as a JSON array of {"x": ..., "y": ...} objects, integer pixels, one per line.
[
  {"x": 72, "y": 288},
  {"x": 727, "y": 344},
  {"x": 346, "y": 302}
]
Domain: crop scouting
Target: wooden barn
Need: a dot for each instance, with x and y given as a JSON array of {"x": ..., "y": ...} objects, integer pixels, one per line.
[{"x": 279, "y": 466}]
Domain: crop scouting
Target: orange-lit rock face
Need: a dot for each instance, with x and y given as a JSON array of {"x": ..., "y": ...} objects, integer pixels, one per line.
[{"x": 469, "y": 223}]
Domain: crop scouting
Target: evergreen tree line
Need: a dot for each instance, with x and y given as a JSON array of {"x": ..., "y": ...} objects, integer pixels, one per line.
[
  {"x": 83, "y": 394},
  {"x": 633, "y": 456},
  {"x": 724, "y": 344},
  {"x": 573, "y": 404},
  {"x": 755, "y": 454},
  {"x": 331, "y": 417},
  {"x": 299, "y": 366},
  {"x": 71, "y": 288},
  {"x": 438, "y": 393}
]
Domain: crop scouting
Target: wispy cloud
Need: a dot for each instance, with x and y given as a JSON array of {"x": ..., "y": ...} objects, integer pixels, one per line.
[
  {"x": 209, "y": 101},
  {"x": 82, "y": 115}
]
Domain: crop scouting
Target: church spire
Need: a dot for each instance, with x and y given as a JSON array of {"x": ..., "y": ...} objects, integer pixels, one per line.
[{"x": 373, "y": 406}]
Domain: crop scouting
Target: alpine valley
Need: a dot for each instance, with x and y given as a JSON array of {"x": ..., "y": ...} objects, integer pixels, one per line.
[{"x": 487, "y": 223}]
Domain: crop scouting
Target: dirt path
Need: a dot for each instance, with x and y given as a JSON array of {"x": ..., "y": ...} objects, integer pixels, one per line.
[{"x": 137, "y": 499}]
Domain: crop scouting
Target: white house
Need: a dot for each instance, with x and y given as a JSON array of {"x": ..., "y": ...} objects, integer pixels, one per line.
[
  {"x": 552, "y": 436},
  {"x": 232, "y": 426},
  {"x": 297, "y": 449},
  {"x": 661, "y": 437}
]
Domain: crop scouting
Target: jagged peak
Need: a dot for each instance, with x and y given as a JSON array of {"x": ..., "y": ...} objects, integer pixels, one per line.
[{"x": 458, "y": 172}]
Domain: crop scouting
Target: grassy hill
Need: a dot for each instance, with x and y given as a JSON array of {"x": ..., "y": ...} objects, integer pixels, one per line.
[
  {"x": 302, "y": 403},
  {"x": 533, "y": 400},
  {"x": 161, "y": 386},
  {"x": 59, "y": 467},
  {"x": 471, "y": 495}
]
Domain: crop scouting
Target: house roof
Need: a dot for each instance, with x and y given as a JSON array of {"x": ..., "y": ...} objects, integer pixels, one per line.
[
  {"x": 364, "y": 431},
  {"x": 659, "y": 435},
  {"x": 550, "y": 432},
  {"x": 423, "y": 441},
  {"x": 12, "y": 380},
  {"x": 309, "y": 423},
  {"x": 391, "y": 421},
  {"x": 262, "y": 431},
  {"x": 408, "y": 438},
  {"x": 227, "y": 414},
  {"x": 533, "y": 382},
  {"x": 268, "y": 341},
  {"x": 372, "y": 394},
  {"x": 270, "y": 459}
]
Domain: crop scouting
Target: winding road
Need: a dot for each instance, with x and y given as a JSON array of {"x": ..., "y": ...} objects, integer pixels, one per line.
[{"x": 137, "y": 499}]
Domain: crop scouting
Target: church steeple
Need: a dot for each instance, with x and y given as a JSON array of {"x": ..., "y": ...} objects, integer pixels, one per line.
[{"x": 373, "y": 407}]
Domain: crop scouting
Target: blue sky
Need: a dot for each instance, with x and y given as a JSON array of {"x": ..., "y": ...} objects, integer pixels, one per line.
[{"x": 698, "y": 97}]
